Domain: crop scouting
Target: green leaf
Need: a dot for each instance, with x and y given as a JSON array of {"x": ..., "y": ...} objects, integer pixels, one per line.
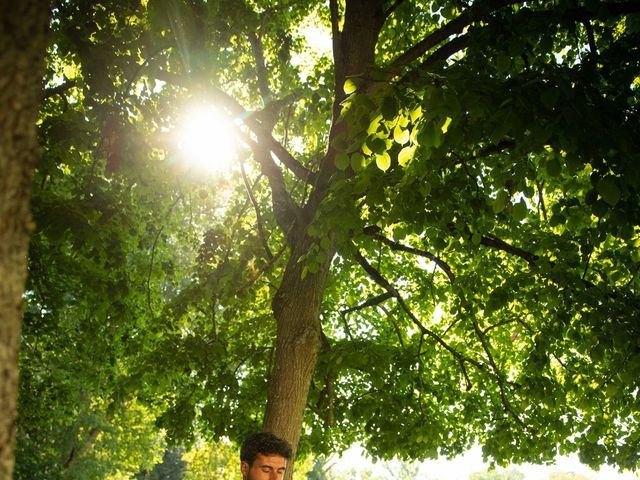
[
  {"x": 430, "y": 136},
  {"x": 373, "y": 126},
  {"x": 350, "y": 86},
  {"x": 550, "y": 97},
  {"x": 609, "y": 190},
  {"x": 405, "y": 155},
  {"x": 70, "y": 71},
  {"x": 416, "y": 114},
  {"x": 600, "y": 208},
  {"x": 519, "y": 211},
  {"x": 501, "y": 201},
  {"x": 389, "y": 107},
  {"x": 383, "y": 161},
  {"x": 553, "y": 167},
  {"x": 357, "y": 161},
  {"x": 445, "y": 125},
  {"x": 340, "y": 142},
  {"x": 342, "y": 161},
  {"x": 377, "y": 145},
  {"x": 401, "y": 135}
]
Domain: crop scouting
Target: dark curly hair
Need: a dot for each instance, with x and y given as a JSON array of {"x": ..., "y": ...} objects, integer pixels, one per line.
[{"x": 264, "y": 443}]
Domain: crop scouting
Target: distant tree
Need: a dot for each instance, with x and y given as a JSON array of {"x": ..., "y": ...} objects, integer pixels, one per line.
[
  {"x": 173, "y": 467},
  {"x": 320, "y": 469},
  {"x": 402, "y": 470},
  {"x": 90, "y": 445},
  {"x": 567, "y": 476},
  {"x": 206, "y": 460},
  {"x": 510, "y": 474}
]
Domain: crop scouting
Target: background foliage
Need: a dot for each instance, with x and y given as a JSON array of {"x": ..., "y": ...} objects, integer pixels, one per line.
[{"x": 484, "y": 211}]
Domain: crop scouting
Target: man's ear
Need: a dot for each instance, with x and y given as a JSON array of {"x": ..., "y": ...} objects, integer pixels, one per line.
[{"x": 244, "y": 469}]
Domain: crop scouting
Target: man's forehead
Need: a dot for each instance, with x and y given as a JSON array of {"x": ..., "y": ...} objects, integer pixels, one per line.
[{"x": 273, "y": 460}]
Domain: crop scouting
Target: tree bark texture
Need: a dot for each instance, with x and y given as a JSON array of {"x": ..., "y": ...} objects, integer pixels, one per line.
[
  {"x": 296, "y": 307},
  {"x": 23, "y": 26}
]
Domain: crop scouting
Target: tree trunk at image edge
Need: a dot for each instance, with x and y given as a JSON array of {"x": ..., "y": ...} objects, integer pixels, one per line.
[{"x": 22, "y": 47}]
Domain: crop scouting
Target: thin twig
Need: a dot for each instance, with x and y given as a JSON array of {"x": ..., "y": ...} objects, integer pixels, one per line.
[
  {"x": 153, "y": 253},
  {"x": 384, "y": 283},
  {"x": 262, "y": 270},
  {"x": 497, "y": 325},
  {"x": 256, "y": 208},
  {"x": 392, "y": 8},
  {"x": 503, "y": 395},
  {"x": 374, "y": 233},
  {"x": 541, "y": 205}
]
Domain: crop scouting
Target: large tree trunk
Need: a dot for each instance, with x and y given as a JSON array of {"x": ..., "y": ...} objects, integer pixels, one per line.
[
  {"x": 22, "y": 46},
  {"x": 297, "y": 303},
  {"x": 296, "y": 307}
]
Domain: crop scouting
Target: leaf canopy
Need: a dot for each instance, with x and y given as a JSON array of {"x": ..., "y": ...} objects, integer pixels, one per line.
[{"x": 480, "y": 213}]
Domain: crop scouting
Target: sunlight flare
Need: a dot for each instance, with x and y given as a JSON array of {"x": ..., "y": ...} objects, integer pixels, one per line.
[{"x": 207, "y": 138}]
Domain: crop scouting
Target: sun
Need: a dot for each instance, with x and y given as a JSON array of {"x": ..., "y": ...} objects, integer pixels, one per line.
[{"x": 207, "y": 138}]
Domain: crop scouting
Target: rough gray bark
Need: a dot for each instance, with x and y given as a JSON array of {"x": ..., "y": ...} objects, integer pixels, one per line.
[{"x": 23, "y": 28}]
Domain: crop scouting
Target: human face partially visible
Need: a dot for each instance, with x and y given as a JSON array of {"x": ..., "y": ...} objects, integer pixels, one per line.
[{"x": 264, "y": 467}]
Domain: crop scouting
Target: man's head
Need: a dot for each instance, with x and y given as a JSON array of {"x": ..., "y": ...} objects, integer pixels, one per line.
[{"x": 264, "y": 456}]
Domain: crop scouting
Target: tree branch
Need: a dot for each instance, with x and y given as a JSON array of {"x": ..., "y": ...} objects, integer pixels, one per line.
[
  {"x": 261, "y": 69},
  {"x": 256, "y": 208},
  {"x": 441, "y": 54},
  {"x": 592, "y": 39},
  {"x": 392, "y": 8},
  {"x": 454, "y": 27},
  {"x": 58, "y": 89},
  {"x": 541, "y": 205},
  {"x": 378, "y": 299},
  {"x": 262, "y": 134},
  {"x": 396, "y": 328},
  {"x": 373, "y": 232},
  {"x": 496, "y": 243},
  {"x": 284, "y": 208},
  {"x": 384, "y": 283},
  {"x": 73, "y": 454},
  {"x": 482, "y": 10},
  {"x": 496, "y": 371}
]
